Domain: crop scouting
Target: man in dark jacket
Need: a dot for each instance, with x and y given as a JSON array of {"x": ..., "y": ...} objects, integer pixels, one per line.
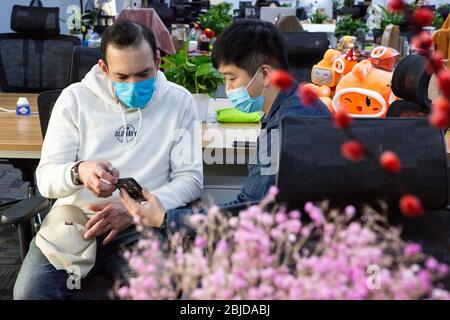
[{"x": 246, "y": 53}]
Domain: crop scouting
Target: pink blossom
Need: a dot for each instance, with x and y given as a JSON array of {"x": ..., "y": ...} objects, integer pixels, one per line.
[
  {"x": 273, "y": 192},
  {"x": 295, "y": 214},
  {"x": 248, "y": 261},
  {"x": 443, "y": 269},
  {"x": 412, "y": 249},
  {"x": 222, "y": 246},
  {"x": 197, "y": 219},
  {"x": 294, "y": 226},
  {"x": 431, "y": 264},
  {"x": 123, "y": 292},
  {"x": 200, "y": 242},
  {"x": 316, "y": 216},
  {"x": 350, "y": 212}
]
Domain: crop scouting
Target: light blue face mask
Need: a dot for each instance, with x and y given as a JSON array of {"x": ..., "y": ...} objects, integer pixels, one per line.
[
  {"x": 135, "y": 95},
  {"x": 242, "y": 101}
]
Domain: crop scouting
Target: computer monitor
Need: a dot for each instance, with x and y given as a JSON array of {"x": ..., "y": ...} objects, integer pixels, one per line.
[
  {"x": 326, "y": 5},
  {"x": 245, "y": 4},
  {"x": 271, "y": 14},
  {"x": 301, "y": 14}
]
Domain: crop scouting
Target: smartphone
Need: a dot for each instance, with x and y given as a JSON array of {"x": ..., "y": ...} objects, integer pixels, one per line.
[{"x": 132, "y": 187}]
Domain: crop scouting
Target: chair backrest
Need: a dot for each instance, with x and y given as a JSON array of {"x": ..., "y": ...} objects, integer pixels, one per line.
[
  {"x": 46, "y": 101},
  {"x": 410, "y": 82},
  {"x": 304, "y": 49},
  {"x": 411, "y": 79},
  {"x": 355, "y": 12},
  {"x": 35, "y": 63},
  {"x": 83, "y": 59},
  {"x": 301, "y": 14},
  {"x": 35, "y": 20},
  {"x": 312, "y": 168}
]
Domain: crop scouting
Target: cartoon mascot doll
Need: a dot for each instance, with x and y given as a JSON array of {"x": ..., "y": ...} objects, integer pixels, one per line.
[{"x": 365, "y": 91}]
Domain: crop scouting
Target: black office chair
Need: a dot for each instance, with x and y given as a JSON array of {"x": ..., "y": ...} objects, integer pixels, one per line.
[
  {"x": 83, "y": 59},
  {"x": 181, "y": 13},
  {"x": 304, "y": 49},
  {"x": 410, "y": 82},
  {"x": 312, "y": 168},
  {"x": 301, "y": 14},
  {"x": 36, "y": 58},
  {"x": 23, "y": 213},
  {"x": 355, "y": 12},
  {"x": 46, "y": 102}
]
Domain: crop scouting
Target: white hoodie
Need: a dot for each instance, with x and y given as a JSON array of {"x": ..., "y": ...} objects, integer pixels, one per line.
[{"x": 162, "y": 150}]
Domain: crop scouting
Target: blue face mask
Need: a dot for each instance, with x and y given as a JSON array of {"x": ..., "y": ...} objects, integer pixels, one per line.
[
  {"x": 242, "y": 101},
  {"x": 135, "y": 95}
]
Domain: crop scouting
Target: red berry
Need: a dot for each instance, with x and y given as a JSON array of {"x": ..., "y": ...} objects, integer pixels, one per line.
[
  {"x": 436, "y": 63},
  {"x": 423, "y": 41},
  {"x": 441, "y": 104},
  {"x": 444, "y": 82},
  {"x": 353, "y": 150},
  {"x": 341, "y": 118},
  {"x": 209, "y": 33},
  {"x": 396, "y": 5},
  {"x": 422, "y": 17},
  {"x": 411, "y": 206},
  {"x": 281, "y": 79},
  {"x": 307, "y": 94},
  {"x": 390, "y": 162},
  {"x": 440, "y": 120}
]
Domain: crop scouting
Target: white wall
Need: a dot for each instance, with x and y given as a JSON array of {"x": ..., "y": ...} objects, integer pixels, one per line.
[{"x": 6, "y": 8}]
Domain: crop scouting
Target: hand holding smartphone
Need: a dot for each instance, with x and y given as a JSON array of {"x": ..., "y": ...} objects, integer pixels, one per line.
[{"x": 132, "y": 187}]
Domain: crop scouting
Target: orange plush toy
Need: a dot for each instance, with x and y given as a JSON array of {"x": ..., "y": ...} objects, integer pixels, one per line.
[
  {"x": 323, "y": 92},
  {"x": 322, "y": 73},
  {"x": 384, "y": 58},
  {"x": 345, "y": 63},
  {"x": 365, "y": 91}
]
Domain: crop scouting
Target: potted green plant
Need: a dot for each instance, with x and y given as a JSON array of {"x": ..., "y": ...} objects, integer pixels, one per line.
[
  {"x": 388, "y": 17},
  {"x": 348, "y": 26},
  {"x": 438, "y": 20},
  {"x": 318, "y": 17},
  {"x": 444, "y": 10},
  {"x": 217, "y": 18},
  {"x": 79, "y": 23},
  {"x": 196, "y": 74}
]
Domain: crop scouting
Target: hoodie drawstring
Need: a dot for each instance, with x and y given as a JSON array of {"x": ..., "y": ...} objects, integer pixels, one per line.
[{"x": 125, "y": 125}]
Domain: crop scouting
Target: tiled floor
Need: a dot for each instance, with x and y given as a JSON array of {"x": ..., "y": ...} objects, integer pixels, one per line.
[
  {"x": 9, "y": 260},
  {"x": 11, "y": 186}
]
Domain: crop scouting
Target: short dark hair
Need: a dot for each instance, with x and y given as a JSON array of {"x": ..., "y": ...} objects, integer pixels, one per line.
[
  {"x": 249, "y": 44},
  {"x": 127, "y": 34}
]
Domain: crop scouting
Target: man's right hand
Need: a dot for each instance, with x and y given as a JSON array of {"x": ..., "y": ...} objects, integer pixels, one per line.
[{"x": 99, "y": 177}]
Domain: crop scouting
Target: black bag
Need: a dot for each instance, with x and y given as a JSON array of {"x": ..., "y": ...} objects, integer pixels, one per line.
[{"x": 35, "y": 19}]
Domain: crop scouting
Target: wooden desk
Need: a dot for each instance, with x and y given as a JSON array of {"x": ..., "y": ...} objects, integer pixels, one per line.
[{"x": 20, "y": 135}]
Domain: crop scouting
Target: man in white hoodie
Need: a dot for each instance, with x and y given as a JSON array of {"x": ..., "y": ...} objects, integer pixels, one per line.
[{"x": 123, "y": 120}]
